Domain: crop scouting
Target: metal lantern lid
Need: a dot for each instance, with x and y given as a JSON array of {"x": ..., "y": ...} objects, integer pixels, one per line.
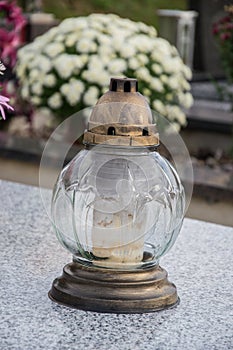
[{"x": 122, "y": 116}]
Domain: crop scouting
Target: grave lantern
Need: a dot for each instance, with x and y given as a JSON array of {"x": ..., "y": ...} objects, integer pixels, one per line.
[{"x": 118, "y": 207}]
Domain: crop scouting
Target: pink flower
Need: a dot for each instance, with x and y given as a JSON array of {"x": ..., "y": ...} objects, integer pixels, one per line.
[
  {"x": 225, "y": 19},
  {"x": 4, "y": 104},
  {"x": 215, "y": 29},
  {"x": 229, "y": 26},
  {"x": 11, "y": 38},
  {"x": 225, "y": 36},
  {"x": 16, "y": 17},
  {"x": 13, "y": 14},
  {"x": 10, "y": 43}
]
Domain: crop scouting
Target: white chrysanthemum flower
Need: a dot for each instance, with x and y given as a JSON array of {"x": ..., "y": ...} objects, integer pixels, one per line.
[
  {"x": 151, "y": 31},
  {"x": 83, "y": 60},
  {"x": 65, "y": 88},
  {"x": 77, "y": 85},
  {"x": 186, "y": 100},
  {"x": 54, "y": 49},
  {"x": 164, "y": 78},
  {"x": 146, "y": 92},
  {"x": 36, "y": 88},
  {"x": 173, "y": 128},
  {"x": 98, "y": 26},
  {"x": 168, "y": 65},
  {"x": 34, "y": 75},
  {"x": 95, "y": 63},
  {"x": 143, "y": 74},
  {"x": 71, "y": 40},
  {"x": 173, "y": 82},
  {"x": 25, "y": 53},
  {"x": 117, "y": 66},
  {"x": 159, "y": 107},
  {"x": 86, "y": 46},
  {"x": 104, "y": 39},
  {"x": 96, "y": 77},
  {"x": 65, "y": 72},
  {"x": 41, "y": 63},
  {"x": 156, "y": 84},
  {"x": 187, "y": 72},
  {"x": 73, "y": 24},
  {"x": 90, "y": 34},
  {"x": 72, "y": 91},
  {"x": 66, "y": 64},
  {"x": 143, "y": 58},
  {"x": 45, "y": 111},
  {"x": 181, "y": 117},
  {"x": 60, "y": 38},
  {"x": 50, "y": 34},
  {"x": 141, "y": 42},
  {"x": 37, "y": 45},
  {"x": 174, "y": 51},
  {"x": 104, "y": 58},
  {"x": 163, "y": 46},
  {"x": 157, "y": 56},
  {"x": 177, "y": 64},
  {"x": 185, "y": 84},
  {"x": 118, "y": 39},
  {"x": 90, "y": 97},
  {"x": 49, "y": 80},
  {"x": 36, "y": 100},
  {"x": 127, "y": 51},
  {"x": 157, "y": 69},
  {"x": 176, "y": 114},
  {"x": 129, "y": 25},
  {"x": 25, "y": 92},
  {"x": 55, "y": 101},
  {"x": 45, "y": 64},
  {"x": 134, "y": 63},
  {"x": 21, "y": 71},
  {"x": 80, "y": 23}
]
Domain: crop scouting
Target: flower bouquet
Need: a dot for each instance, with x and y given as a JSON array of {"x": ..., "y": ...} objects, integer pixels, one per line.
[
  {"x": 69, "y": 67},
  {"x": 12, "y": 24}
]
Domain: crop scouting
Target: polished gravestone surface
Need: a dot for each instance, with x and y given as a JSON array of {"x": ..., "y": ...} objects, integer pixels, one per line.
[{"x": 200, "y": 264}]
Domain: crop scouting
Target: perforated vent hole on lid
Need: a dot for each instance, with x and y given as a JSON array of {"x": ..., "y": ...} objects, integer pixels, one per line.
[
  {"x": 145, "y": 132},
  {"x": 111, "y": 131}
]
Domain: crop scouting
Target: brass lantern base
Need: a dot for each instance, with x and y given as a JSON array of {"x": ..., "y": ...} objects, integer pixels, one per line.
[
  {"x": 104, "y": 290},
  {"x": 114, "y": 291}
]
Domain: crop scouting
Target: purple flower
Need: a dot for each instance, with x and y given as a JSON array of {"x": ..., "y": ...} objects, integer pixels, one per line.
[{"x": 4, "y": 104}]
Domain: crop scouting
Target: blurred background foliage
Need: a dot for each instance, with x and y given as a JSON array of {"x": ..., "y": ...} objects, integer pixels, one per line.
[{"x": 137, "y": 10}]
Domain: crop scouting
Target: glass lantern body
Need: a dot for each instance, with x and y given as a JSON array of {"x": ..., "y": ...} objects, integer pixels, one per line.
[{"x": 118, "y": 207}]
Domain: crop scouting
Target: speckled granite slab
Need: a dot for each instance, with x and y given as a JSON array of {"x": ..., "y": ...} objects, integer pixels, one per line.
[{"x": 200, "y": 264}]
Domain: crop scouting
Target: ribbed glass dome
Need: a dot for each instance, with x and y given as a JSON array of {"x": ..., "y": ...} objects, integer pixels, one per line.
[
  {"x": 119, "y": 204},
  {"x": 118, "y": 208}
]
